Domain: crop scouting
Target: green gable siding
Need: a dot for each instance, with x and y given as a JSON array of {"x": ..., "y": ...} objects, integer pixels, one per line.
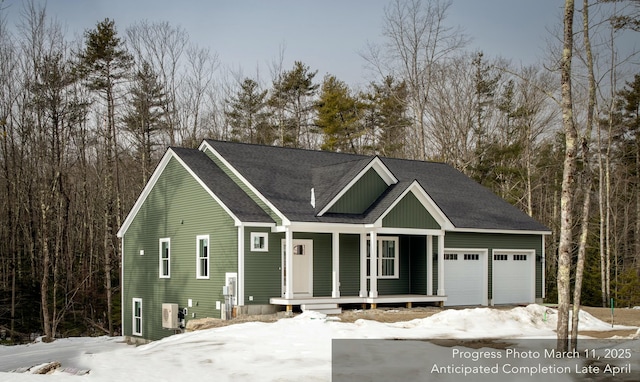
[
  {"x": 244, "y": 187},
  {"x": 498, "y": 241},
  {"x": 262, "y": 270},
  {"x": 361, "y": 195},
  {"x": 410, "y": 213},
  {"x": 177, "y": 208}
]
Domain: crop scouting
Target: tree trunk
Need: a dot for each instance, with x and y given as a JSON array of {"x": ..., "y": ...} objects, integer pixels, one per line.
[
  {"x": 568, "y": 174},
  {"x": 586, "y": 142},
  {"x": 46, "y": 264}
]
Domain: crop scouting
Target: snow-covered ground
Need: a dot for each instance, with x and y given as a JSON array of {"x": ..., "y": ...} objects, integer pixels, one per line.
[{"x": 291, "y": 349}]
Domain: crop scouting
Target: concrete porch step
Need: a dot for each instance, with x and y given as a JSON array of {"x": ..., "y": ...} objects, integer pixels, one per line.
[{"x": 322, "y": 308}]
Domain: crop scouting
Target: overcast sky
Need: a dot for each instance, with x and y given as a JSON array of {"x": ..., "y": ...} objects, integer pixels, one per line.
[{"x": 327, "y": 35}]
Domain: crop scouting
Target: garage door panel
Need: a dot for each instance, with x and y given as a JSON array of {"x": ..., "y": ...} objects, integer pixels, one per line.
[
  {"x": 464, "y": 278},
  {"x": 513, "y": 277}
]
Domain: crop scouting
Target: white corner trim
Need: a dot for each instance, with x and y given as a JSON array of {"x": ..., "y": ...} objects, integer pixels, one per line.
[
  {"x": 240, "y": 279},
  {"x": 377, "y": 165},
  {"x": 206, "y": 146}
]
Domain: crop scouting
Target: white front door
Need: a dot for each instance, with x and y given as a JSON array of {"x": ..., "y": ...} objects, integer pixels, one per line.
[{"x": 302, "y": 267}]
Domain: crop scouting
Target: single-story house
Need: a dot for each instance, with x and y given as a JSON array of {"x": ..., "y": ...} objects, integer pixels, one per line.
[{"x": 233, "y": 227}]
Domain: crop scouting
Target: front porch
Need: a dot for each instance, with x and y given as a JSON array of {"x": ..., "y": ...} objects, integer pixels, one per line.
[{"x": 404, "y": 266}]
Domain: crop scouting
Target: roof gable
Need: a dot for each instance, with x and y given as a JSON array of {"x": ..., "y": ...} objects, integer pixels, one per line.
[
  {"x": 210, "y": 177},
  {"x": 409, "y": 212},
  {"x": 363, "y": 187}
]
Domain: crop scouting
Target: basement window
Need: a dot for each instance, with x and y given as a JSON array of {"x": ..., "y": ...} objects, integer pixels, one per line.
[
  {"x": 136, "y": 317},
  {"x": 259, "y": 241}
]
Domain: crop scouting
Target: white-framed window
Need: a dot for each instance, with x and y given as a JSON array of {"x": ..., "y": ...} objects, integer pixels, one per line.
[
  {"x": 202, "y": 257},
  {"x": 136, "y": 315},
  {"x": 165, "y": 258},
  {"x": 451, "y": 256},
  {"x": 259, "y": 241},
  {"x": 388, "y": 258}
]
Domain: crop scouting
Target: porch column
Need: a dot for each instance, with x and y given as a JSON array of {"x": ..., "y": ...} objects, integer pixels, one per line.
[
  {"x": 363, "y": 265},
  {"x": 441, "y": 291},
  {"x": 288, "y": 261},
  {"x": 373, "y": 265},
  {"x": 335, "y": 262},
  {"x": 429, "y": 265}
]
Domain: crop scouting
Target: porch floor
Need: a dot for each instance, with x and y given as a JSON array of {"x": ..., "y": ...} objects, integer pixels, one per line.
[{"x": 386, "y": 299}]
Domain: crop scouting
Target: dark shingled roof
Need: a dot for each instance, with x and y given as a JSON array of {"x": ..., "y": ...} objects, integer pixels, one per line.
[
  {"x": 222, "y": 186},
  {"x": 285, "y": 177}
]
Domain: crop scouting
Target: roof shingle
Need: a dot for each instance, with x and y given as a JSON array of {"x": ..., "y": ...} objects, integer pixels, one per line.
[{"x": 285, "y": 177}]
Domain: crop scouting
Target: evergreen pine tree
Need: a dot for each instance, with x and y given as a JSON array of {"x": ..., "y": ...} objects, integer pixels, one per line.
[
  {"x": 338, "y": 116},
  {"x": 249, "y": 117}
]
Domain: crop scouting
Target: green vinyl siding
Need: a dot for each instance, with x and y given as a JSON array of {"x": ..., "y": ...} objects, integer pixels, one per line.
[
  {"x": 322, "y": 261},
  {"x": 361, "y": 195},
  {"x": 263, "y": 274},
  {"x": 401, "y": 285},
  {"x": 417, "y": 248},
  {"x": 492, "y": 241},
  {"x": 244, "y": 187},
  {"x": 262, "y": 270},
  {"x": 349, "y": 265},
  {"x": 177, "y": 208},
  {"x": 410, "y": 213}
]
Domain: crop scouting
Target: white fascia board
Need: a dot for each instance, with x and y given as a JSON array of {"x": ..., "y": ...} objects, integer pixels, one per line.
[
  {"x": 259, "y": 224},
  {"x": 379, "y": 167},
  {"x": 353, "y": 228},
  {"x": 145, "y": 192},
  {"x": 506, "y": 231},
  {"x": 322, "y": 227},
  {"x": 409, "y": 231},
  {"x": 426, "y": 201},
  {"x": 206, "y": 146}
]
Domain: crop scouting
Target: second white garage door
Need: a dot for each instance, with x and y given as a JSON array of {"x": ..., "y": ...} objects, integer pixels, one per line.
[
  {"x": 513, "y": 277},
  {"x": 465, "y": 281}
]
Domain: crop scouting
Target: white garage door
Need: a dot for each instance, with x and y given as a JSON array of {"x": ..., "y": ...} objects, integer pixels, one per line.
[
  {"x": 464, "y": 277},
  {"x": 513, "y": 277}
]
